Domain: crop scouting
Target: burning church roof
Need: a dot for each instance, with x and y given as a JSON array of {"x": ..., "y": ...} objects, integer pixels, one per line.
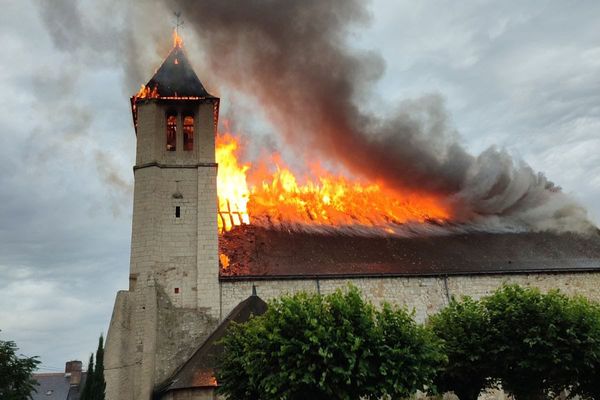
[
  {"x": 251, "y": 199},
  {"x": 176, "y": 78},
  {"x": 251, "y": 252}
]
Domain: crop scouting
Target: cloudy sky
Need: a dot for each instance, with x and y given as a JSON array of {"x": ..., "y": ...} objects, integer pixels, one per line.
[{"x": 523, "y": 76}]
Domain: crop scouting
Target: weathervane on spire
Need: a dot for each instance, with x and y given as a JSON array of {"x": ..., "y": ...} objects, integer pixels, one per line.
[
  {"x": 177, "y": 40},
  {"x": 178, "y": 21}
]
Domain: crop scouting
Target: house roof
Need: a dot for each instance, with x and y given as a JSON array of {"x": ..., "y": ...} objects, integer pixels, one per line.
[
  {"x": 260, "y": 253},
  {"x": 56, "y": 386},
  {"x": 176, "y": 77},
  {"x": 198, "y": 371}
]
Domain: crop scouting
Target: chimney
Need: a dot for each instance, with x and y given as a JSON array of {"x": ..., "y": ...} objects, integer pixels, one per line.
[{"x": 73, "y": 372}]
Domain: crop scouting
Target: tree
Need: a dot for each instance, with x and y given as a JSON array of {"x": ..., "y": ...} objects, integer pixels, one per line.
[
  {"x": 95, "y": 385},
  {"x": 86, "y": 394},
  {"x": 409, "y": 356},
  {"x": 536, "y": 345},
  {"x": 582, "y": 342},
  {"x": 99, "y": 382},
  {"x": 463, "y": 326},
  {"x": 16, "y": 380},
  {"x": 531, "y": 334},
  {"x": 333, "y": 347}
]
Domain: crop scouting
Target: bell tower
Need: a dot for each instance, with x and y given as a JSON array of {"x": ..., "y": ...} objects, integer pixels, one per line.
[
  {"x": 174, "y": 231},
  {"x": 173, "y": 297}
]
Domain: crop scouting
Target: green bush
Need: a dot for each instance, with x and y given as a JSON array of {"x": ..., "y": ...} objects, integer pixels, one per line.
[
  {"x": 463, "y": 327},
  {"x": 534, "y": 345},
  {"x": 333, "y": 347}
]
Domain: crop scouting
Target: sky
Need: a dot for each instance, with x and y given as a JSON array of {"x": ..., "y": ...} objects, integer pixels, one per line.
[{"x": 519, "y": 75}]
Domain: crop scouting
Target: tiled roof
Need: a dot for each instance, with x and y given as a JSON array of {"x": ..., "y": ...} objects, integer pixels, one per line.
[
  {"x": 55, "y": 386},
  {"x": 198, "y": 371},
  {"x": 176, "y": 77},
  {"x": 259, "y": 253}
]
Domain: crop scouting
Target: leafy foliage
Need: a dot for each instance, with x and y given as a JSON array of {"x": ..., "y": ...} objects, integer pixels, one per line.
[
  {"x": 16, "y": 380},
  {"x": 531, "y": 333},
  {"x": 463, "y": 327},
  {"x": 535, "y": 345},
  {"x": 583, "y": 346},
  {"x": 333, "y": 347}
]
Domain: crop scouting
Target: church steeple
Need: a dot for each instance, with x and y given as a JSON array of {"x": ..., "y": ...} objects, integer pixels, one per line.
[
  {"x": 173, "y": 294},
  {"x": 176, "y": 78}
]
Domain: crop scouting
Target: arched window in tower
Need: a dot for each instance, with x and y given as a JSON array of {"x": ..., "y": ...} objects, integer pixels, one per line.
[
  {"x": 171, "y": 132},
  {"x": 188, "y": 132}
]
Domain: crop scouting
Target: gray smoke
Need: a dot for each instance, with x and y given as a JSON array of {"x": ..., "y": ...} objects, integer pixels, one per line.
[{"x": 294, "y": 58}]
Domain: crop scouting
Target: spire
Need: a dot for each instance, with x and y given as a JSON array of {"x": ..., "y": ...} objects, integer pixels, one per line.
[
  {"x": 174, "y": 80},
  {"x": 176, "y": 77}
]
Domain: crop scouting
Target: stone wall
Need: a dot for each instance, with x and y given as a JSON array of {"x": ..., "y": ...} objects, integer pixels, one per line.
[
  {"x": 173, "y": 299},
  {"x": 426, "y": 295}
]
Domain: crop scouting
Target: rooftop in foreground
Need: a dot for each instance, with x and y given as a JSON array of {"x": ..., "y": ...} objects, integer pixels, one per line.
[{"x": 259, "y": 253}]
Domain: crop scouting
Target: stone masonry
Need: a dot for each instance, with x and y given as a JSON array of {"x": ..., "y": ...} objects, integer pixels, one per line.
[
  {"x": 424, "y": 295},
  {"x": 173, "y": 299}
]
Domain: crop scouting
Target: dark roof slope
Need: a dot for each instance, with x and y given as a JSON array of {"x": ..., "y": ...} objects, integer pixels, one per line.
[
  {"x": 198, "y": 371},
  {"x": 176, "y": 77},
  {"x": 260, "y": 253},
  {"x": 56, "y": 386}
]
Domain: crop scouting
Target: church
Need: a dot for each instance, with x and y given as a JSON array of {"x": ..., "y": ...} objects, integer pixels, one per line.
[{"x": 187, "y": 281}]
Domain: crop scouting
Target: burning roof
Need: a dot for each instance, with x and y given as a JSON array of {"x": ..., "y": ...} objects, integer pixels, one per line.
[
  {"x": 176, "y": 78},
  {"x": 251, "y": 252}
]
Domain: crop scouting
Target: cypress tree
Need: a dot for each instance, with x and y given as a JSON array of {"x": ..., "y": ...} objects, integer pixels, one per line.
[
  {"x": 99, "y": 382},
  {"x": 86, "y": 394}
]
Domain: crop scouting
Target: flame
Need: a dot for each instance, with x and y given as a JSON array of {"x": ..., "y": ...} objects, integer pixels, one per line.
[
  {"x": 177, "y": 40},
  {"x": 277, "y": 196},
  {"x": 146, "y": 93},
  {"x": 231, "y": 183},
  {"x": 224, "y": 260}
]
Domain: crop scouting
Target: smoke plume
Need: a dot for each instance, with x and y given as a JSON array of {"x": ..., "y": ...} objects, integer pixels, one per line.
[{"x": 294, "y": 58}]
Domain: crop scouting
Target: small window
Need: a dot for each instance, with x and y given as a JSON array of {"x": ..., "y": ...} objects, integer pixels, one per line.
[
  {"x": 177, "y": 212},
  {"x": 188, "y": 133},
  {"x": 171, "y": 132},
  {"x": 176, "y": 290}
]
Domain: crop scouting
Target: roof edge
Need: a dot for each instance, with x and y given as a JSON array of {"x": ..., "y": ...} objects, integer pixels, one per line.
[
  {"x": 164, "y": 386},
  {"x": 549, "y": 271}
]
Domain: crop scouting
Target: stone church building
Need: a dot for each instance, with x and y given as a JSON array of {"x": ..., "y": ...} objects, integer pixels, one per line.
[{"x": 163, "y": 336}]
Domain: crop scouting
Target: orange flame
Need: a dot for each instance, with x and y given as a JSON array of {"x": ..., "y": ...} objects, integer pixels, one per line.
[
  {"x": 177, "y": 40},
  {"x": 231, "y": 183},
  {"x": 146, "y": 93},
  {"x": 262, "y": 196}
]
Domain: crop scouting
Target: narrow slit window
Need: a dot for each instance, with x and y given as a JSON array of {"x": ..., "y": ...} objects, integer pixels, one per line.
[
  {"x": 171, "y": 132},
  {"x": 177, "y": 212},
  {"x": 188, "y": 133}
]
